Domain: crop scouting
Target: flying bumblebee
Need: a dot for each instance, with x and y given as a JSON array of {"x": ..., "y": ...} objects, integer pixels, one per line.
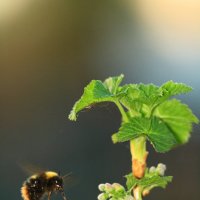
[{"x": 38, "y": 185}]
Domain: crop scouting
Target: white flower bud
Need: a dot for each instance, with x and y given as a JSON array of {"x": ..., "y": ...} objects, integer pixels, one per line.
[
  {"x": 108, "y": 187},
  {"x": 161, "y": 168},
  {"x": 101, "y": 187},
  {"x": 101, "y": 196},
  {"x": 118, "y": 187},
  {"x": 152, "y": 169}
]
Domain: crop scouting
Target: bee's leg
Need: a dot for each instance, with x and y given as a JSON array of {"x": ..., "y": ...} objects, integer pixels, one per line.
[
  {"x": 63, "y": 195},
  {"x": 49, "y": 195}
]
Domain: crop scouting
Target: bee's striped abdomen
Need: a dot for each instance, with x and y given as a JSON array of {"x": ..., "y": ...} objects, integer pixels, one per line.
[
  {"x": 24, "y": 192},
  {"x": 33, "y": 189}
]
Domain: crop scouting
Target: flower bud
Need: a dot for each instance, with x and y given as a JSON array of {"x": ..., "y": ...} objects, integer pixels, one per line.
[
  {"x": 152, "y": 169},
  {"x": 101, "y": 196},
  {"x": 118, "y": 187},
  {"x": 108, "y": 187},
  {"x": 161, "y": 168},
  {"x": 101, "y": 187}
]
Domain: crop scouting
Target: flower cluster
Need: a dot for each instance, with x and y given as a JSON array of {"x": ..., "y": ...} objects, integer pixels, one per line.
[
  {"x": 113, "y": 191},
  {"x": 160, "y": 169}
]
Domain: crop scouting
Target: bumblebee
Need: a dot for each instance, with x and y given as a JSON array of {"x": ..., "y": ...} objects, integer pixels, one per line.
[{"x": 38, "y": 185}]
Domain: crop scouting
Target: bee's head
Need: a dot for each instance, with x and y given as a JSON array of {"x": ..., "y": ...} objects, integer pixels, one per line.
[{"x": 56, "y": 183}]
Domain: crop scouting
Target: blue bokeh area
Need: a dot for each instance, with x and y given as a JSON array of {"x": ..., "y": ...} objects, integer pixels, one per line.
[{"x": 49, "y": 50}]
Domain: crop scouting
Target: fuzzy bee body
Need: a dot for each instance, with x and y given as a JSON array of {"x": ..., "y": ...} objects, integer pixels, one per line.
[{"x": 36, "y": 186}]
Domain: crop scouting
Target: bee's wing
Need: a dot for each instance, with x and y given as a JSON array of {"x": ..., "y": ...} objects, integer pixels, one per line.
[
  {"x": 66, "y": 176},
  {"x": 30, "y": 169},
  {"x": 70, "y": 180}
]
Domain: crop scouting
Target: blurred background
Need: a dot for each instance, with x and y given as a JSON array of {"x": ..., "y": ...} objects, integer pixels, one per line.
[{"x": 49, "y": 50}]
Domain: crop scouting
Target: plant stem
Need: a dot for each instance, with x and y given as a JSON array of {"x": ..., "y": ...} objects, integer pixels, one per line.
[
  {"x": 122, "y": 111},
  {"x": 139, "y": 156},
  {"x": 137, "y": 193}
]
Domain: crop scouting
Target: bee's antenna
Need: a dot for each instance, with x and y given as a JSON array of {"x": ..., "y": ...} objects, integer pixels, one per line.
[
  {"x": 66, "y": 175},
  {"x": 59, "y": 173}
]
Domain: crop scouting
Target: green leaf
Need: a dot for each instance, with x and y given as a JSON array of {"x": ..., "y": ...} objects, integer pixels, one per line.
[
  {"x": 141, "y": 93},
  {"x": 171, "y": 88},
  {"x": 143, "y": 98},
  {"x": 164, "y": 123},
  {"x": 178, "y": 117},
  {"x": 155, "y": 181},
  {"x": 97, "y": 92},
  {"x": 136, "y": 127},
  {"x": 149, "y": 181},
  {"x": 149, "y": 93},
  {"x": 131, "y": 181},
  {"x": 160, "y": 136},
  {"x": 112, "y": 83},
  {"x": 153, "y": 95},
  {"x": 131, "y": 100},
  {"x": 154, "y": 129}
]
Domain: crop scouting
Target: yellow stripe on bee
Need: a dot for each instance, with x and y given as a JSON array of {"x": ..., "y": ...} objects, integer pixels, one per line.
[
  {"x": 34, "y": 176},
  {"x": 50, "y": 174},
  {"x": 24, "y": 193}
]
